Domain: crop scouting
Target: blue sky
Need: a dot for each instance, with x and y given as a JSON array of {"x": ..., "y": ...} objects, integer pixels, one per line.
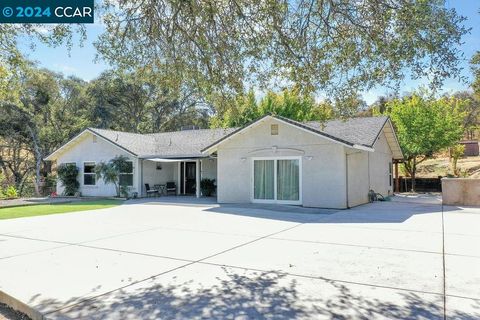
[{"x": 80, "y": 60}]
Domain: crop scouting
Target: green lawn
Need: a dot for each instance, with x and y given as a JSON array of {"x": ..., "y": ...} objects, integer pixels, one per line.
[{"x": 45, "y": 209}]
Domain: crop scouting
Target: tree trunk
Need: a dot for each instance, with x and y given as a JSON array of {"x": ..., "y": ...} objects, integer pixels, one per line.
[
  {"x": 38, "y": 159},
  {"x": 414, "y": 170}
]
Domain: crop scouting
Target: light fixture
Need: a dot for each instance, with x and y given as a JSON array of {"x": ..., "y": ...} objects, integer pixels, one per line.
[
  {"x": 308, "y": 158},
  {"x": 243, "y": 159}
]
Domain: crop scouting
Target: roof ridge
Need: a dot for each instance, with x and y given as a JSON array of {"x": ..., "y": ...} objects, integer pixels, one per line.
[
  {"x": 116, "y": 131},
  {"x": 193, "y": 130}
]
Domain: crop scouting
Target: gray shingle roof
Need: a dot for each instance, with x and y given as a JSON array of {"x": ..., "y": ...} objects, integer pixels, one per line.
[
  {"x": 187, "y": 143},
  {"x": 190, "y": 143},
  {"x": 362, "y": 131}
]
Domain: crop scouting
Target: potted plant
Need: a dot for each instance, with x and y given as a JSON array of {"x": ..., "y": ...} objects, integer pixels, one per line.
[{"x": 208, "y": 187}]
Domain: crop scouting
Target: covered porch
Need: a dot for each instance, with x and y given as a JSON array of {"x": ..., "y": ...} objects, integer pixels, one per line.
[{"x": 184, "y": 174}]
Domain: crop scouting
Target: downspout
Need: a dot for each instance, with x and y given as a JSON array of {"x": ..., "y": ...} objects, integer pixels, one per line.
[
  {"x": 368, "y": 163},
  {"x": 346, "y": 179}
]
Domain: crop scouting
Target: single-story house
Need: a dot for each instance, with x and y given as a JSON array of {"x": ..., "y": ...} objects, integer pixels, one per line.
[{"x": 271, "y": 160}]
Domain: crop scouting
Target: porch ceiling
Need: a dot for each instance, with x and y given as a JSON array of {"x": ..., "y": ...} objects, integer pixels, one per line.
[{"x": 169, "y": 160}]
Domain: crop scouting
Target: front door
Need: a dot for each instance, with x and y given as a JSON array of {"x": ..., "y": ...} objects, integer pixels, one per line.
[{"x": 188, "y": 173}]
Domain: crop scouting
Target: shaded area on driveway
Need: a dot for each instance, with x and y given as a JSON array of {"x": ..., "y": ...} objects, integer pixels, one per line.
[
  {"x": 147, "y": 261},
  {"x": 253, "y": 295}
]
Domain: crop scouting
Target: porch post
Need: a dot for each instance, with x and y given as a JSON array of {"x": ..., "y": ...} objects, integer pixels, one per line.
[
  {"x": 140, "y": 178},
  {"x": 179, "y": 179},
  {"x": 197, "y": 178},
  {"x": 397, "y": 182}
]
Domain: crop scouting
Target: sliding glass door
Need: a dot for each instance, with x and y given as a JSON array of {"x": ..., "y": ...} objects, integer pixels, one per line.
[
  {"x": 277, "y": 180},
  {"x": 264, "y": 180}
]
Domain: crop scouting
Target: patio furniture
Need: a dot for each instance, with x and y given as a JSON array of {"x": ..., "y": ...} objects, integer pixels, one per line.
[
  {"x": 150, "y": 191},
  {"x": 171, "y": 187},
  {"x": 162, "y": 189}
]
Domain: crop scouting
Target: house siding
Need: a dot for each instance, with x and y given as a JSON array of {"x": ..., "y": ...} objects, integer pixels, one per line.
[
  {"x": 358, "y": 176},
  {"x": 369, "y": 171},
  {"x": 323, "y": 162},
  {"x": 379, "y": 168},
  {"x": 85, "y": 150}
]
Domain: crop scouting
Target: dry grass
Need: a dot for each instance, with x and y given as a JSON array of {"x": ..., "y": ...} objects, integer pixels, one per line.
[{"x": 440, "y": 166}]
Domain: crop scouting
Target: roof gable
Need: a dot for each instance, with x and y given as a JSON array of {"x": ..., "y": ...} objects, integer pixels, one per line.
[
  {"x": 79, "y": 136},
  {"x": 358, "y": 133}
]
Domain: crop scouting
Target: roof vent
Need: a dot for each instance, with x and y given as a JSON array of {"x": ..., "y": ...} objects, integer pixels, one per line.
[
  {"x": 274, "y": 129},
  {"x": 190, "y": 127}
]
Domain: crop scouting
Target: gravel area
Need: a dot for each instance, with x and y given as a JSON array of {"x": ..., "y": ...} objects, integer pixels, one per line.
[{"x": 7, "y": 313}]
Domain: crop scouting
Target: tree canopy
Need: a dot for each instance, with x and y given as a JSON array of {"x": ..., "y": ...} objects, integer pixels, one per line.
[
  {"x": 341, "y": 47},
  {"x": 424, "y": 126},
  {"x": 288, "y": 103}
]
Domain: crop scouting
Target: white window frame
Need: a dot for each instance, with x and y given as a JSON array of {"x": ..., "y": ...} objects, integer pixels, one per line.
[
  {"x": 133, "y": 173},
  {"x": 275, "y": 164},
  {"x": 390, "y": 174},
  {"x": 69, "y": 163},
  {"x": 83, "y": 174}
]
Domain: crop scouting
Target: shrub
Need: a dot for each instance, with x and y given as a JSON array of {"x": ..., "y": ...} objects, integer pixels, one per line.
[
  {"x": 11, "y": 192},
  {"x": 456, "y": 152},
  {"x": 208, "y": 187},
  {"x": 67, "y": 174},
  {"x": 110, "y": 173}
]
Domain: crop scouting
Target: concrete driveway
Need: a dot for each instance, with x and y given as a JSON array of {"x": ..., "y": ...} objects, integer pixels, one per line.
[{"x": 147, "y": 260}]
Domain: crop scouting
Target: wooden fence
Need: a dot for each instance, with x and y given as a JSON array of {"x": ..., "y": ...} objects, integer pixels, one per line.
[{"x": 421, "y": 184}]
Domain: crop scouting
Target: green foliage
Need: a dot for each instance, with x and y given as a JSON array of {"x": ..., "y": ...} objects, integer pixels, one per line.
[
  {"x": 6, "y": 190},
  {"x": 475, "y": 64},
  {"x": 41, "y": 110},
  {"x": 110, "y": 173},
  {"x": 291, "y": 104},
  {"x": 47, "y": 209},
  {"x": 335, "y": 46},
  {"x": 67, "y": 174},
  {"x": 208, "y": 187},
  {"x": 143, "y": 101},
  {"x": 425, "y": 126},
  {"x": 456, "y": 152},
  {"x": 11, "y": 193}
]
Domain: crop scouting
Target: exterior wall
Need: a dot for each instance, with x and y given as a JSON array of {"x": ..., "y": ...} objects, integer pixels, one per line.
[
  {"x": 209, "y": 168},
  {"x": 86, "y": 150},
  {"x": 380, "y": 162},
  {"x": 323, "y": 164},
  {"x": 358, "y": 177},
  {"x": 461, "y": 191},
  {"x": 153, "y": 176}
]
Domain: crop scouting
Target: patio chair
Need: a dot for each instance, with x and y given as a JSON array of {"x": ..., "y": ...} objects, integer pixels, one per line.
[
  {"x": 171, "y": 187},
  {"x": 150, "y": 191}
]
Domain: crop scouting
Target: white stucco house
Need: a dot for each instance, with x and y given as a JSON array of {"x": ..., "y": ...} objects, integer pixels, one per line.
[{"x": 271, "y": 160}]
